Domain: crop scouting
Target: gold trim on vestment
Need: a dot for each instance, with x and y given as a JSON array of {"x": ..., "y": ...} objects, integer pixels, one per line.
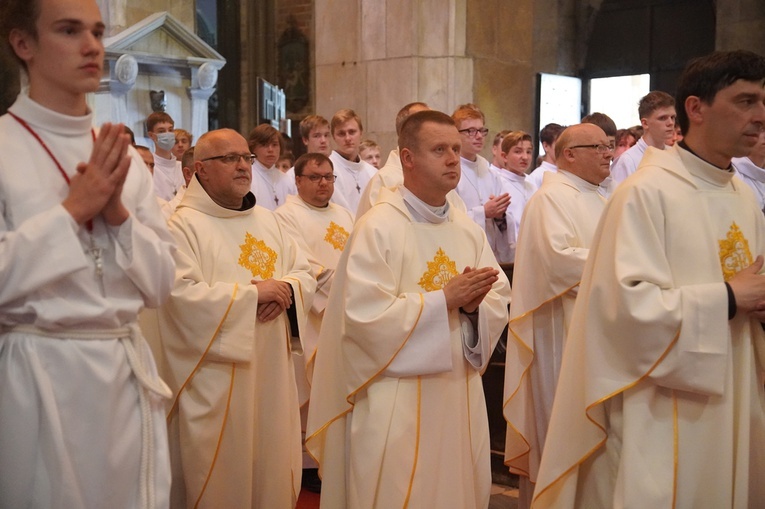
[
  {"x": 362, "y": 386},
  {"x": 734, "y": 252},
  {"x": 204, "y": 354},
  {"x": 416, "y": 442},
  {"x": 676, "y": 437},
  {"x": 257, "y": 257},
  {"x": 523, "y": 376},
  {"x": 336, "y": 236},
  {"x": 220, "y": 436},
  {"x": 600, "y": 402}
]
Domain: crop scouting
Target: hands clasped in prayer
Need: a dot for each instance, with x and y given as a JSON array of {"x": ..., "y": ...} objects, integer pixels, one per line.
[
  {"x": 496, "y": 206},
  {"x": 274, "y": 297},
  {"x": 467, "y": 290},
  {"x": 97, "y": 186}
]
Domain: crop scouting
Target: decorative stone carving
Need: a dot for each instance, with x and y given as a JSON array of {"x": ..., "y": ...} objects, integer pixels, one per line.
[
  {"x": 207, "y": 76},
  {"x": 126, "y": 69}
]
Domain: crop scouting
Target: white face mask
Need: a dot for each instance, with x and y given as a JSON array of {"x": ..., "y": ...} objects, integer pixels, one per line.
[{"x": 166, "y": 141}]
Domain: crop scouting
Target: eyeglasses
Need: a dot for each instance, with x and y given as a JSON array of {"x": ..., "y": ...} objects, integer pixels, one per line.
[
  {"x": 602, "y": 149},
  {"x": 233, "y": 158},
  {"x": 317, "y": 178},
  {"x": 472, "y": 131}
]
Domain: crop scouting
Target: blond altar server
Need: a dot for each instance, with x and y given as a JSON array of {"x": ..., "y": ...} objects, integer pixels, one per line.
[
  {"x": 660, "y": 401},
  {"x": 397, "y": 411},
  {"x": 556, "y": 234},
  {"x": 228, "y": 331},
  {"x": 83, "y": 248},
  {"x": 269, "y": 185},
  {"x": 353, "y": 173}
]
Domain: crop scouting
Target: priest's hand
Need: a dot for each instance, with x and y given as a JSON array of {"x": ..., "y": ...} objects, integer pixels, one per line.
[
  {"x": 748, "y": 288},
  {"x": 273, "y": 290},
  {"x": 468, "y": 289},
  {"x": 496, "y": 206},
  {"x": 268, "y": 311},
  {"x": 97, "y": 180}
]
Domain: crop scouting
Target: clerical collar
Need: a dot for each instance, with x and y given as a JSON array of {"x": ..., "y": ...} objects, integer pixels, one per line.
[
  {"x": 686, "y": 147},
  {"x": 248, "y": 201},
  {"x": 421, "y": 211}
]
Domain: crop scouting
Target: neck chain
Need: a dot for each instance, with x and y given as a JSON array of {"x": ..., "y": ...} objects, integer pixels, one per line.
[
  {"x": 95, "y": 252},
  {"x": 269, "y": 184}
]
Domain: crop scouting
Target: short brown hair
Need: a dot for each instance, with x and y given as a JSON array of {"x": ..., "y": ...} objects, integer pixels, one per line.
[
  {"x": 18, "y": 15},
  {"x": 466, "y": 112},
  {"x": 310, "y": 123},
  {"x": 316, "y": 157},
  {"x": 513, "y": 138},
  {"x": 410, "y": 129},
  {"x": 262, "y": 135},
  {"x": 187, "y": 159},
  {"x": 156, "y": 118},
  {"x": 653, "y": 101},
  {"x": 343, "y": 116},
  {"x": 500, "y": 136},
  {"x": 404, "y": 112},
  {"x": 601, "y": 120}
]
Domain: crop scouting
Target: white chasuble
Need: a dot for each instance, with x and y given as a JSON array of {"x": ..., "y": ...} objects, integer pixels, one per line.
[
  {"x": 660, "y": 401},
  {"x": 321, "y": 233},
  {"x": 556, "y": 235},
  {"x": 397, "y": 412},
  {"x": 234, "y": 424}
]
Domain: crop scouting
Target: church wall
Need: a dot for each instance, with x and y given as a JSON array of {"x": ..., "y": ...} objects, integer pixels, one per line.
[{"x": 741, "y": 25}]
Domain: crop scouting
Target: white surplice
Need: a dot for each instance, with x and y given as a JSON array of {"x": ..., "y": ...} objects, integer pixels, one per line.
[
  {"x": 234, "y": 424},
  {"x": 397, "y": 407},
  {"x": 71, "y": 427},
  {"x": 352, "y": 179},
  {"x": 476, "y": 186},
  {"x": 520, "y": 190},
  {"x": 167, "y": 177},
  {"x": 535, "y": 177},
  {"x": 626, "y": 164},
  {"x": 556, "y": 235},
  {"x": 270, "y": 186},
  {"x": 753, "y": 176},
  {"x": 660, "y": 401}
]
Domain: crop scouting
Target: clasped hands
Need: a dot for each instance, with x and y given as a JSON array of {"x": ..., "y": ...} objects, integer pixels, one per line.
[
  {"x": 97, "y": 186},
  {"x": 274, "y": 297},
  {"x": 467, "y": 290}
]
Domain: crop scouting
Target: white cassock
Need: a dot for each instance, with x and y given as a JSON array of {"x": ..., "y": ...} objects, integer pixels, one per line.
[
  {"x": 270, "y": 186},
  {"x": 660, "y": 400},
  {"x": 627, "y": 163},
  {"x": 234, "y": 425},
  {"x": 476, "y": 186},
  {"x": 392, "y": 175},
  {"x": 535, "y": 177},
  {"x": 81, "y": 422},
  {"x": 167, "y": 176},
  {"x": 352, "y": 178},
  {"x": 520, "y": 190},
  {"x": 556, "y": 235},
  {"x": 397, "y": 410},
  {"x": 753, "y": 176}
]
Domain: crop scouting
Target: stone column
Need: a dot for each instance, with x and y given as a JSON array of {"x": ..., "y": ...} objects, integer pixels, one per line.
[
  {"x": 203, "y": 80},
  {"x": 379, "y": 55}
]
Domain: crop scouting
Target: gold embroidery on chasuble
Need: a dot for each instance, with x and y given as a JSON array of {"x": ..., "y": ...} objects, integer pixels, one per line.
[
  {"x": 734, "y": 253},
  {"x": 439, "y": 272},
  {"x": 257, "y": 257},
  {"x": 336, "y": 236}
]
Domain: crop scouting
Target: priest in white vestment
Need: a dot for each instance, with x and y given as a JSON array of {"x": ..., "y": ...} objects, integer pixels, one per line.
[
  {"x": 228, "y": 331},
  {"x": 660, "y": 400},
  {"x": 83, "y": 248},
  {"x": 397, "y": 413},
  {"x": 391, "y": 175},
  {"x": 320, "y": 229},
  {"x": 556, "y": 234}
]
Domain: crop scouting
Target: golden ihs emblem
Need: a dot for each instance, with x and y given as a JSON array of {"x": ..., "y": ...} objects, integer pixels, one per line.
[
  {"x": 439, "y": 272},
  {"x": 734, "y": 253},
  {"x": 336, "y": 236},
  {"x": 257, "y": 257}
]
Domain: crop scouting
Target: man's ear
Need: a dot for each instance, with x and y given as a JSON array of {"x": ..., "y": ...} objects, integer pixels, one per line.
[
  {"x": 694, "y": 107},
  {"x": 23, "y": 44},
  {"x": 200, "y": 170},
  {"x": 407, "y": 158}
]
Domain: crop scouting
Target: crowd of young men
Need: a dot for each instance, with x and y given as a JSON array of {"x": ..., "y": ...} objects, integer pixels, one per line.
[{"x": 348, "y": 313}]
